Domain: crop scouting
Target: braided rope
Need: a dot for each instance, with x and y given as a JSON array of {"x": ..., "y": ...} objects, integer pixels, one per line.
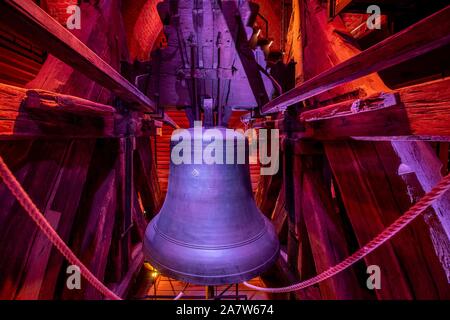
[
  {"x": 16, "y": 189},
  {"x": 417, "y": 209}
]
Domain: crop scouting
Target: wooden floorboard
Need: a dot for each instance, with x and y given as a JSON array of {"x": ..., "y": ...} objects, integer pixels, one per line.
[{"x": 170, "y": 287}]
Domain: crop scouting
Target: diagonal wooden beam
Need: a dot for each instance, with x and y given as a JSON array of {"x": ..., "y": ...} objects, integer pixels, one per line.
[
  {"x": 426, "y": 35},
  {"x": 32, "y": 22}
]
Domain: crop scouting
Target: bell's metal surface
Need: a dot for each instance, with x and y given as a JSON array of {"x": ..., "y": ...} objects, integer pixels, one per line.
[{"x": 209, "y": 230}]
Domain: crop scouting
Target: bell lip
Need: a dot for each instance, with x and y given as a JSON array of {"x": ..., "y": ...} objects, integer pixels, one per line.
[
  {"x": 217, "y": 279},
  {"x": 200, "y": 279}
]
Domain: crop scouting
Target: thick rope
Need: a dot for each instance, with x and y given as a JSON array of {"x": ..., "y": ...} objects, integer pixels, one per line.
[
  {"x": 16, "y": 189},
  {"x": 442, "y": 187}
]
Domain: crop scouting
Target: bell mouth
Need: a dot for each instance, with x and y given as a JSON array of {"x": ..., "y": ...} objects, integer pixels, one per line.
[{"x": 211, "y": 266}]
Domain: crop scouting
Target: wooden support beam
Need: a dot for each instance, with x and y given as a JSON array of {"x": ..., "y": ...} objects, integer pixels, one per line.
[
  {"x": 267, "y": 193},
  {"x": 32, "y": 22},
  {"x": 244, "y": 52},
  {"x": 48, "y": 101},
  {"x": 146, "y": 179},
  {"x": 364, "y": 216},
  {"x": 126, "y": 187},
  {"x": 365, "y": 180},
  {"x": 53, "y": 174},
  {"x": 65, "y": 198},
  {"x": 279, "y": 216},
  {"x": 91, "y": 236},
  {"x": 37, "y": 262},
  {"x": 137, "y": 124},
  {"x": 16, "y": 156},
  {"x": 422, "y": 37},
  {"x": 268, "y": 189},
  {"x": 32, "y": 114},
  {"x": 295, "y": 237},
  {"x": 422, "y": 160},
  {"x": 324, "y": 226},
  {"x": 299, "y": 255},
  {"x": 420, "y": 112},
  {"x": 361, "y": 171},
  {"x": 137, "y": 260}
]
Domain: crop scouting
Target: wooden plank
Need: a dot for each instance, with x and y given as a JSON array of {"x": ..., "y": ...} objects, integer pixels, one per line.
[
  {"x": 365, "y": 185},
  {"x": 422, "y": 160},
  {"x": 420, "y": 112},
  {"x": 365, "y": 180},
  {"x": 36, "y": 167},
  {"x": 126, "y": 193},
  {"x": 123, "y": 287},
  {"x": 139, "y": 221},
  {"x": 64, "y": 197},
  {"x": 295, "y": 236},
  {"x": 381, "y": 164},
  {"x": 422, "y": 37},
  {"x": 299, "y": 255},
  {"x": 32, "y": 22},
  {"x": 119, "y": 257},
  {"x": 267, "y": 192},
  {"x": 146, "y": 178},
  {"x": 325, "y": 230},
  {"x": 166, "y": 288},
  {"x": 37, "y": 261},
  {"x": 336, "y": 6},
  {"x": 48, "y": 101},
  {"x": 244, "y": 53},
  {"x": 34, "y": 113},
  {"x": 279, "y": 216},
  {"x": 31, "y": 113},
  {"x": 136, "y": 124},
  {"x": 91, "y": 237},
  {"x": 364, "y": 212}
]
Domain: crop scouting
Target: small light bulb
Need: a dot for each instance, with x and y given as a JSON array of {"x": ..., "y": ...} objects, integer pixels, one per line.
[{"x": 148, "y": 266}]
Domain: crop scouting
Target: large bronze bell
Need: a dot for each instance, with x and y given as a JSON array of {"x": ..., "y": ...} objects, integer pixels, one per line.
[{"x": 209, "y": 230}]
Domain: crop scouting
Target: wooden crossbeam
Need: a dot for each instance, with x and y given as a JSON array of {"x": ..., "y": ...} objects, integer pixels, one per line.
[
  {"x": 31, "y": 113},
  {"x": 49, "y": 101},
  {"x": 32, "y": 22},
  {"x": 426, "y": 35},
  {"x": 420, "y": 112}
]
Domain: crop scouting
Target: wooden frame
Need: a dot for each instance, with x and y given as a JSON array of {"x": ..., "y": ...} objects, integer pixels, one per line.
[
  {"x": 34, "y": 23},
  {"x": 28, "y": 113},
  {"x": 420, "y": 112},
  {"x": 420, "y": 38}
]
